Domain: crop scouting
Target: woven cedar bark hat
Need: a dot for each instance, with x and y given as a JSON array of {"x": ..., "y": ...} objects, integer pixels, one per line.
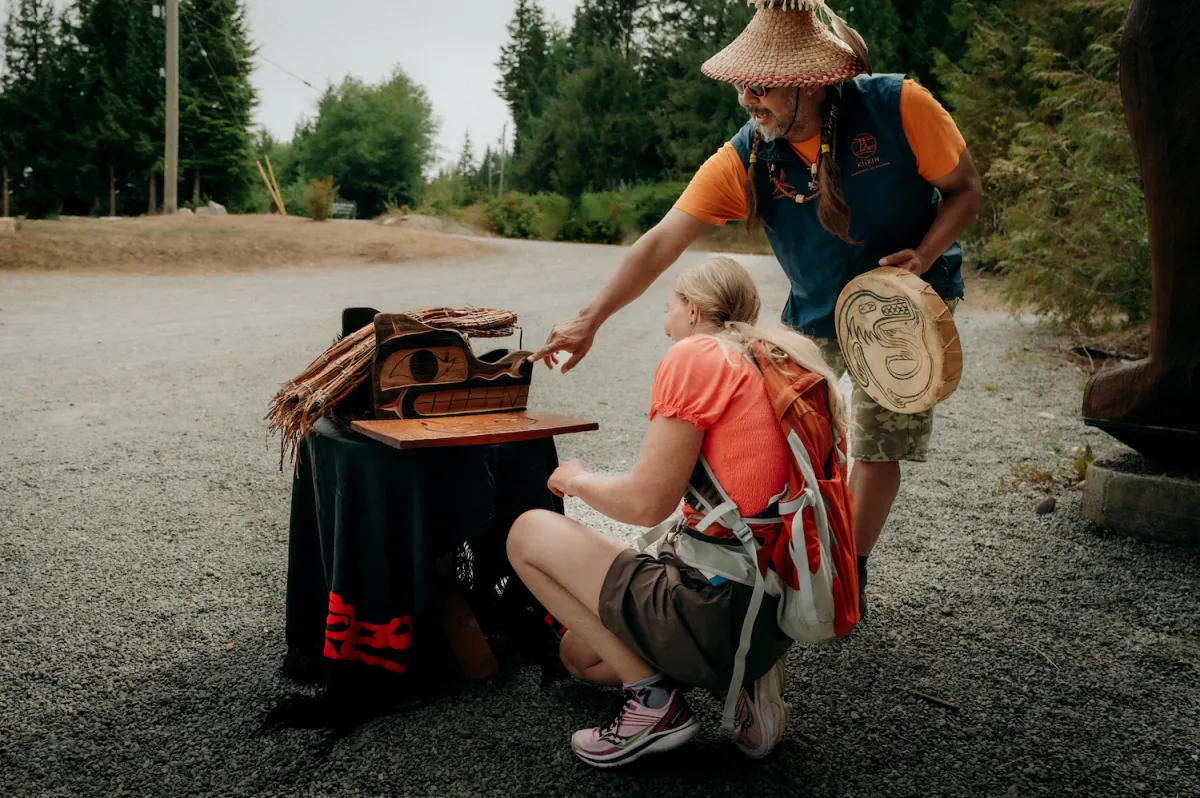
[{"x": 787, "y": 43}]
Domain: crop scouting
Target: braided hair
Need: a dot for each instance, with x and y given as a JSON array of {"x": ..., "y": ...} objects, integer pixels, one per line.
[
  {"x": 832, "y": 211},
  {"x": 753, "y": 216}
]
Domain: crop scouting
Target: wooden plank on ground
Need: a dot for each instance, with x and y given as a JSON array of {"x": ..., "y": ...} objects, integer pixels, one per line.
[{"x": 467, "y": 641}]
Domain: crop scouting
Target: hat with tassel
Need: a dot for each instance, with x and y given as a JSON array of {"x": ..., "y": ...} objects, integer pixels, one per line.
[{"x": 791, "y": 43}]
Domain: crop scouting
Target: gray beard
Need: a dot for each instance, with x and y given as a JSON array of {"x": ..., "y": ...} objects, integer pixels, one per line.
[
  {"x": 799, "y": 121},
  {"x": 775, "y": 132}
]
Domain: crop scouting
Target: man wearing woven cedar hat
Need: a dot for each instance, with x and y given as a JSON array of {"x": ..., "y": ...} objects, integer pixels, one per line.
[{"x": 846, "y": 171}]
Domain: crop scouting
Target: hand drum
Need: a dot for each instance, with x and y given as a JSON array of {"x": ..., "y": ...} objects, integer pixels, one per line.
[{"x": 899, "y": 340}]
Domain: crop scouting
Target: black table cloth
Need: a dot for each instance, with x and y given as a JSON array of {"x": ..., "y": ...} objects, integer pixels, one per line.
[{"x": 368, "y": 522}]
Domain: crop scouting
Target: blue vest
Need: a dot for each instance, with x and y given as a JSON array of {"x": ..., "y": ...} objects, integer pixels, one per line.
[{"x": 891, "y": 205}]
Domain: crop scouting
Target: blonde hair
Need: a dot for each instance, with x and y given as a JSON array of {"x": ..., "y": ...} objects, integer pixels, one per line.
[{"x": 725, "y": 295}]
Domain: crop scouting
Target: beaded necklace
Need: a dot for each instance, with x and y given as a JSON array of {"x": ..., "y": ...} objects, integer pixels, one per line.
[{"x": 779, "y": 183}]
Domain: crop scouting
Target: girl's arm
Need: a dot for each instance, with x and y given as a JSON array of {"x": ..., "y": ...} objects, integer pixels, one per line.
[{"x": 653, "y": 491}]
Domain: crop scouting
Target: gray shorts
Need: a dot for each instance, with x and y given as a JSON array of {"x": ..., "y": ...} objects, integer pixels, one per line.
[{"x": 679, "y": 622}]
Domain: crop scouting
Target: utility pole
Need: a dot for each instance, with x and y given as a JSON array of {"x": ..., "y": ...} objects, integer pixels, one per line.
[
  {"x": 503, "y": 137},
  {"x": 171, "y": 158}
]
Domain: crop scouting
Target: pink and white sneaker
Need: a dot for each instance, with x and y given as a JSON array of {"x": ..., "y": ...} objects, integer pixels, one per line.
[
  {"x": 637, "y": 730},
  {"x": 762, "y": 717}
]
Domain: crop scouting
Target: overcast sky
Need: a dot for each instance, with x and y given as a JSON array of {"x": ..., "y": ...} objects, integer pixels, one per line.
[{"x": 448, "y": 46}]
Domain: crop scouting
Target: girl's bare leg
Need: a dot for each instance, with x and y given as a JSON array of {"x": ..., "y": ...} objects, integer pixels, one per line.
[
  {"x": 563, "y": 563},
  {"x": 583, "y": 663}
]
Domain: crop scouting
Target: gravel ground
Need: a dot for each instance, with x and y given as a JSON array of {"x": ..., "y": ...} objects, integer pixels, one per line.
[{"x": 143, "y": 527}]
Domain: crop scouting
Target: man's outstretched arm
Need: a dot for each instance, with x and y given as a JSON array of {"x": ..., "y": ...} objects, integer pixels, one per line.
[{"x": 652, "y": 255}]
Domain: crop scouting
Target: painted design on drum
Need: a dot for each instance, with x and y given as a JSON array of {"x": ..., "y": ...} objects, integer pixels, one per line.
[{"x": 896, "y": 325}]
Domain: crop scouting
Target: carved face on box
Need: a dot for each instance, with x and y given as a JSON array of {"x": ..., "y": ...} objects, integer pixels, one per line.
[{"x": 421, "y": 372}]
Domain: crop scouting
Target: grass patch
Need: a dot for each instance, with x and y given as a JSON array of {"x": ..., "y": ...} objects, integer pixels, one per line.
[{"x": 1066, "y": 474}]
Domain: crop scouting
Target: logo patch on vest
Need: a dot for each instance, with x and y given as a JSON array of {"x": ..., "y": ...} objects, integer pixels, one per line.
[
  {"x": 865, "y": 149},
  {"x": 864, "y": 145}
]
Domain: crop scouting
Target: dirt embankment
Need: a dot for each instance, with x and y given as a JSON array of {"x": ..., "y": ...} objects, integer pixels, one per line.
[{"x": 174, "y": 244}]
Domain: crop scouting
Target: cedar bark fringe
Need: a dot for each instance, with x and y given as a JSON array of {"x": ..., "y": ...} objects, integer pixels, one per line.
[{"x": 347, "y": 363}]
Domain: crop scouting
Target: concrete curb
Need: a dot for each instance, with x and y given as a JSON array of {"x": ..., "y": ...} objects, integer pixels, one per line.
[{"x": 1145, "y": 505}]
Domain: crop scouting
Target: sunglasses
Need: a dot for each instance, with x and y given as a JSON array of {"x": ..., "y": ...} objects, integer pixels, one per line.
[{"x": 753, "y": 88}]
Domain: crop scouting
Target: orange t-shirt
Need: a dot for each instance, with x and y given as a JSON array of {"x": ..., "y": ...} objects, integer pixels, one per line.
[
  {"x": 724, "y": 396},
  {"x": 717, "y": 193}
]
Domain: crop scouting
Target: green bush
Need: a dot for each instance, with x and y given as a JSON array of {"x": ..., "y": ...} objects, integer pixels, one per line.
[
  {"x": 1064, "y": 217},
  {"x": 553, "y": 212},
  {"x": 441, "y": 197},
  {"x": 602, "y": 217},
  {"x": 318, "y": 198},
  {"x": 191, "y": 205},
  {"x": 293, "y": 198},
  {"x": 259, "y": 201},
  {"x": 652, "y": 203},
  {"x": 590, "y": 231},
  {"x": 512, "y": 216}
]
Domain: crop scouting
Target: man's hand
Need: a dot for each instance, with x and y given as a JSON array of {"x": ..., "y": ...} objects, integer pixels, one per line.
[
  {"x": 645, "y": 261},
  {"x": 560, "y": 481},
  {"x": 962, "y": 193},
  {"x": 574, "y": 337},
  {"x": 907, "y": 259}
]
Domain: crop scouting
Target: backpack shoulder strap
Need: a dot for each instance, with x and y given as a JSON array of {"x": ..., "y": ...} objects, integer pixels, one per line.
[{"x": 704, "y": 493}]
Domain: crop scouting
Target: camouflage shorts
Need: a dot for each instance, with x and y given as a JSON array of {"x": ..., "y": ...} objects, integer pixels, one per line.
[{"x": 877, "y": 434}]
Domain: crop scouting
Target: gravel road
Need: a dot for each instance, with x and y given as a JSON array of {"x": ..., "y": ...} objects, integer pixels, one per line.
[{"x": 143, "y": 525}]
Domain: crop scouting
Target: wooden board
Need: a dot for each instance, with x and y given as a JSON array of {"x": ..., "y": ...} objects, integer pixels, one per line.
[{"x": 471, "y": 430}]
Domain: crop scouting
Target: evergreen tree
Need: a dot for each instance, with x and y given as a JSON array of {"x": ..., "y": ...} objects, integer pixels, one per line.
[
  {"x": 216, "y": 100},
  {"x": 880, "y": 24},
  {"x": 487, "y": 177},
  {"x": 597, "y": 129},
  {"x": 1037, "y": 96},
  {"x": 32, "y": 85},
  {"x": 692, "y": 115},
  {"x": 9, "y": 136},
  {"x": 118, "y": 106},
  {"x": 465, "y": 168},
  {"x": 147, "y": 86},
  {"x": 523, "y": 67},
  {"x": 6, "y": 147},
  {"x": 612, "y": 24}
]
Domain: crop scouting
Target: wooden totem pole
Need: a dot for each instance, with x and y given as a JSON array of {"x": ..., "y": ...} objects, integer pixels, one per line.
[{"x": 1153, "y": 405}]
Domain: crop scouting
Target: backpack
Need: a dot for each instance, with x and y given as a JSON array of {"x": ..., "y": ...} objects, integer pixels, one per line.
[{"x": 806, "y": 556}]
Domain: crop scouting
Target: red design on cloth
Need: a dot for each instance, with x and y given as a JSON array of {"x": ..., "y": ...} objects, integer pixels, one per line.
[
  {"x": 553, "y": 623},
  {"x": 348, "y": 638}
]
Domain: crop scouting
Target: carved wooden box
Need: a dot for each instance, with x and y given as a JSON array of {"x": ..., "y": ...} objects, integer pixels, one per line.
[{"x": 420, "y": 372}]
